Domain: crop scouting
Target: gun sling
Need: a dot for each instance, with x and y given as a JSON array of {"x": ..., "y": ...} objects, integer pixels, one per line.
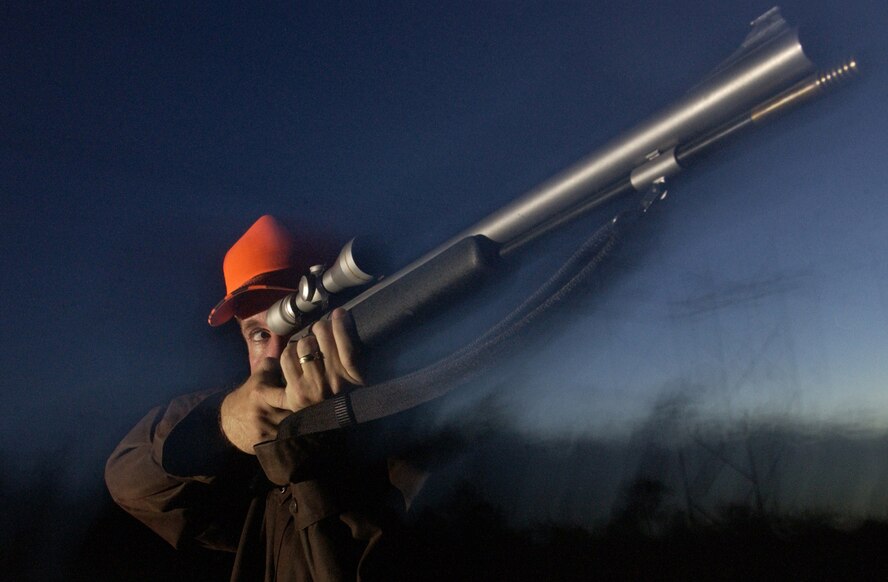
[{"x": 411, "y": 390}]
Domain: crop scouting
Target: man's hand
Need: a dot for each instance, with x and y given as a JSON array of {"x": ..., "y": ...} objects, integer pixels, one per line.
[
  {"x": 319, "y": 377},
  {"x": 251, "y": 414}
]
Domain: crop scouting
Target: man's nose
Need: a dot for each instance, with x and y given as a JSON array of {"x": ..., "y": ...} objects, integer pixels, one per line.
[{"x": 275, "y": 346}]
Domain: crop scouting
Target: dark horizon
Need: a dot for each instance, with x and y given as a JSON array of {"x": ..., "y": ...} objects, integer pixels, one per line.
[{"x": 620, "y": 507}]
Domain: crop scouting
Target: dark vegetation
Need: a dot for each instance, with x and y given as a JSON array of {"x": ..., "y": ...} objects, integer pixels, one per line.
[
  {"x": 469, "y": 539},
  {"x": 645, "y": 542},
  {"x": 657, "y": 527}
]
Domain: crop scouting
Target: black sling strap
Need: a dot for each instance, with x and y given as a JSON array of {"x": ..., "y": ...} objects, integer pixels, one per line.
[{"x": 405, "y": 392}]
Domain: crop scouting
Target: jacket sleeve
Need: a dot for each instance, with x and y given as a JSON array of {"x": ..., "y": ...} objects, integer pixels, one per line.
[{"x": 176, "y": 472}]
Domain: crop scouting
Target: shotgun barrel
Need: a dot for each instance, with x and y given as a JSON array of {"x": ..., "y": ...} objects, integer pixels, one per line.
[{"x": 768, "y": 73}]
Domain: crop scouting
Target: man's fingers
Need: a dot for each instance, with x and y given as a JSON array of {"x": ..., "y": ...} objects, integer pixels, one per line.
[
  {"x": 274, "y": 399},
  {"x": 318, "y": 366},
  {"x": 346, "y": 345},
  {"x": 251, "y": 413},
  {"x": 269, "y": 392},
  {"x": 277, "y": 414},
  {"x": 312, "y": 364},
  {"x": 335, "y": 339},
  {"x": 306, "y": 384},
  {"x": 290, "y": 367}
]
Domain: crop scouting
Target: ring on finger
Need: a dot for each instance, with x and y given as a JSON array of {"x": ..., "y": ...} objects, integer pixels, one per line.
[{"x": 314, "y": 356}]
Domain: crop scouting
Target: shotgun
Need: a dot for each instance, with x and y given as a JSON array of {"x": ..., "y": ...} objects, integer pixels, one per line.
[{"x": 767, "y": 75}]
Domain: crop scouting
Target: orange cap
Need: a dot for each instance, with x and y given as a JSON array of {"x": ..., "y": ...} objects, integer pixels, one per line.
[{"x": 260, "y": 268}]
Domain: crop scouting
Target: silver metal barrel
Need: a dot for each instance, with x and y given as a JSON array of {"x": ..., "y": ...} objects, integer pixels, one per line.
[
  {"x": 764, "y": 72},
  {"x": 769, "y": 61}
]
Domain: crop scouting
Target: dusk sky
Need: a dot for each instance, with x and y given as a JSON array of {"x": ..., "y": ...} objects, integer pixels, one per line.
[{"x": 139, "y": 140}]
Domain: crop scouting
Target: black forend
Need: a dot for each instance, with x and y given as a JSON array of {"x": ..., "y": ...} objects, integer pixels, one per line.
[{"x": 429, "y": 287}]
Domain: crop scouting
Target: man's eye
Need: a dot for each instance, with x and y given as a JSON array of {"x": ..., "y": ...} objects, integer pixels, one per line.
[{"x": 260, "y": 335}]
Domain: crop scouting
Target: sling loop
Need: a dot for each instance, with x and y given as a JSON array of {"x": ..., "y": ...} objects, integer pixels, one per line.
[{"x": 411, "y": 390}]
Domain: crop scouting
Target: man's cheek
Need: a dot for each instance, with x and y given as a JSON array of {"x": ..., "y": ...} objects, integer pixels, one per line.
[{"x": 255, "y": 356}]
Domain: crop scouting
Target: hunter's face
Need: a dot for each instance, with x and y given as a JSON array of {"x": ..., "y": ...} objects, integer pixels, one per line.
[{"x": 261, "y": 342}]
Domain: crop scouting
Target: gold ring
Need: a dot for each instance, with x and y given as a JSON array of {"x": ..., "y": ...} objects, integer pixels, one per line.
[{"x": 311, "y": 357}]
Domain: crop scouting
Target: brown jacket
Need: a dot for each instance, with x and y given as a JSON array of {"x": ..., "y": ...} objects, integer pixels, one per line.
[{"x": 314, "y": 508}]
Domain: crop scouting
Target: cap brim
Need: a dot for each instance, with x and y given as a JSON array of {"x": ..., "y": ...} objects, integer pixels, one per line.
[{"x": 246, "y": 301}]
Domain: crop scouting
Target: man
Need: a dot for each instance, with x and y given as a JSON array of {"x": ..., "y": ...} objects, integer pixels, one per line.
[{"x": 312, "y": 508}]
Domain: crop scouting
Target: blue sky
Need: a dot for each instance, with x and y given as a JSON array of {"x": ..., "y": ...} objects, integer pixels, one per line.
[{"x": 140, "y": 141}]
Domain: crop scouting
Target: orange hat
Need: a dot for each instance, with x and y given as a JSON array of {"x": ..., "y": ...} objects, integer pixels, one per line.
[{"x": 260, "y": 268}]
